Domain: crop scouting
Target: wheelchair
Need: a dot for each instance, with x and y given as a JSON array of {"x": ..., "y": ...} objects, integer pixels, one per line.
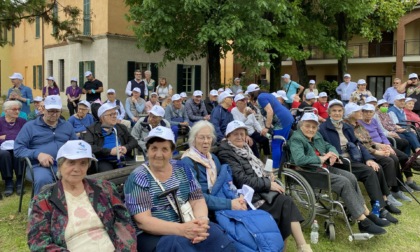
[{"x": 312, "y": 199}]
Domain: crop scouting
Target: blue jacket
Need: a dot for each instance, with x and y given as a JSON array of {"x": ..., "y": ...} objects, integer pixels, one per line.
[
  {"x": 330, "y": 134},
  {"x": 400, "y": 114},
  {"x": 220, "y": 117},
  {"x": 36, "y": 137}
]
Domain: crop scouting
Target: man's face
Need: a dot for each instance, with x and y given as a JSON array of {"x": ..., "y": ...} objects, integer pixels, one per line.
[
  {"x": 111, "y": 96},
  {"x": 82, "y": 110},
  {"x": 414, "y": 80},
  {"x": 16, "y": 82},
  {"x": 213, "y": 98},
  {"x": 51, "y": 115},
  {"x": 237, "y": 82},
  {"x": 89, "y": 78},
  {"x": 137, "y": 75},
  {"x": 347, "y": 79},
  {"x": 109, "y": 117},
  {"x": 197, "y": 99},
  {"x": 177, "y": 104},
  {"x": 311, "y": 101},
  {"x": 228, "y": 101},
  {"x": 322, "y": 100},
  {"x": 286, "y": 80},
  {"x": 396, "y": 83},
  {"x": 136, "y": 94},
  {"x": 154, "y": 120},
  {"x": 399, "y": 103}
]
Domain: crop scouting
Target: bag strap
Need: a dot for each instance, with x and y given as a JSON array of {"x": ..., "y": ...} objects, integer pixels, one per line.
[{"x": 162, "y": 188}]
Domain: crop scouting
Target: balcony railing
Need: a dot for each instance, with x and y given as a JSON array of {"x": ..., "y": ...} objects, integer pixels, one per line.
[{"x": 411, "y": 47}]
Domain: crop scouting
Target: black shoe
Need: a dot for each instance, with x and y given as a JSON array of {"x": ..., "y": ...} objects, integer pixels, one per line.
[
  {"x": 391, "y": 208},
  {"x": 378, "y": 221},
  {"x": 413, "y": 186},
  {"x": 9, "y": 188},
  {"x": 18, "y": 189},
  {"x": 384, "y": 214},
  {"x": 367, "y": 226}
]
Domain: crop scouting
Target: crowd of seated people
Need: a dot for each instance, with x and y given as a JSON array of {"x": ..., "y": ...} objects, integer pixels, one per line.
[{"x": 333, "y": 129}]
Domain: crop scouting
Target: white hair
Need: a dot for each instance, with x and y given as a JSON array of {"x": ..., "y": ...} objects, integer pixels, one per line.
[
  {"x": 197, "y": 127},
  {"x": 9, "y": 104}
]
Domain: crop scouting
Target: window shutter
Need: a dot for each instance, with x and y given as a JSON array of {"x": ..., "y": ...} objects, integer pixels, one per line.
[
  {"x": 180, "y": 85},
  {"x": 40, "y": 77},
  {"x": 155, "y": 72},
  {"x": 131, "y": 67},
  {"x": 197, "y": 78},
  {"x": 92, "y": 65},
  {"x": 34, "y": 77},
  {"x": 81, "y": 74}
]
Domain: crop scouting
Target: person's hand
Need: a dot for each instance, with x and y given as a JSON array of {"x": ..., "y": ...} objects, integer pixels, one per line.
[
  {"x": 134, "y": 100},
  {"x": 389, "y": 148},
  {"x": 183, "y": 123},
  {"x": 207, "y": 117},
  {"x": 333, "y": 159},
  {"x": 384, "y": 153},
  {"x": 195, "y": 230},
  {"x": 46, "y": 160},
  {"x": 248, "y": 111},
  {"x": 2, "y": 137},
  {"x": 373, "y": 164},
  {"x": 123, "y": 150},
  {"x": 393, "y": 134},
  {"x": 249, "y": 141},
  {"x": 239, "y": 203},
  {"x": 114, "y": 151},
  {"x": 276, "y": 187},
  {"x": 325, "y": 157},
  {"x": 264, "y": 132},
  {"x": 400, "y": 130}
]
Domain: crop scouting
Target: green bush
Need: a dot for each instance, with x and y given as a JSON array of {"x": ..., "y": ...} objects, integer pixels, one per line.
[{"x": 328, "y": 87}]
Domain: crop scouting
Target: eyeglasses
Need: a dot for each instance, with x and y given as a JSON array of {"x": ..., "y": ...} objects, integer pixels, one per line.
[
  {"x": 112, "y": 114},
  {"x": 15, "y": 109},
  {"x": 52, "y": 112}
]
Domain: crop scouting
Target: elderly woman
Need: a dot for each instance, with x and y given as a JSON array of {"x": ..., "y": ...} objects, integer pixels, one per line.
[
  {"x": 341, "y": 135},
  {"x": 247, "y": 169},
  {"x": 310, "y": 89},
  {"x": 153, "y": 100},
  {"x": 10, "y": 125},
  {"x": 307, "y": 147},
  {"x": 101, "y": 135},
  {"x": 156, "y": 216},
  {"x": 134, "y": 106},
  {"x": 150, "y": 83},
  {"x": 76, "y": 213},
  {"x": 82, "y": 119},
  {"x": 164, "y": 89},
  {"x": 35, "y": 112},
  {"x": 15, "y": 94},
  {"x": 408, "y": 110},
  {"x": 359, "y": 96}
]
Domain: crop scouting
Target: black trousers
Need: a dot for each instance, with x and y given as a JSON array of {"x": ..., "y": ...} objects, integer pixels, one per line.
[
  {"x": 402, "y": 158},
  {"x": 402, "y": 144},
  {"x": 390, "y": 166},
  {"x": 9, "y": 164},
  {"x": 71, "y": 107}
]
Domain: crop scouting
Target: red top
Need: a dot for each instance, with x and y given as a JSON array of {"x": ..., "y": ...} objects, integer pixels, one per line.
[
  {"x": 295, "y": 104},
  {"x": 322, "y": 109},
  {"x": 411, "y": 116}
]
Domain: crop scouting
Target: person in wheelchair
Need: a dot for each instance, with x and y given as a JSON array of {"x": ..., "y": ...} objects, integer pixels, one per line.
[
  {"x": 341, "y": 136},
  {"x": 269, "y": 196},
  {"x": 308, "y": 148}
]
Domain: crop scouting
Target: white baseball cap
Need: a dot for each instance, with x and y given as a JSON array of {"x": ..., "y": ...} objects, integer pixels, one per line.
[
  {"x": 350, "y": 108},
  {"x": 86, "y": 103},
  {"x": 312, "y": 82},
  {"x": 110, "y": 91},
  {"x": 371, "y": 99},
  {"x": 252, "y": 87},
  {"x": 51, "y": 78},
  {"x": 176, "y": 97},
  {"x": 53, "y": 102},
  {"x": 283, "y": 95},
  {"x": 220, "y": 90},
  {"x": 309, "y": 117},
  {"x": 38, "y": 99},
  {"x": 105, "y": 107},
  {"x": 276, "y": 95},
  {"x": 162, "y": 133},
  {"x": 153, "y": 93},
  {"x": 183, "y": 95},
  {"x": 382, "y": 101},
  {"x": 229, "y": 90},
  {"x": 368, "y": 107},
  {"x": 75, "y": 149},
  {"x": 322, "y": 94},
  {"x": 347, "y": 75},
  {"x": 412, "y": 76},
  {"x": 198, "y": 93},
  {"x": 399, "y": 97},
  {"x": 157, "y": 111},
  {"x": 234, "y": 125},
  {"x": 286, "y": 76},
  {"x": 361, "y": 82},
  {"x": 214, "y": 92},
  {"x": 239, "y": 97},
  {"x": 16, "y": 76},
  {"x": 223, "y": 96},
  {"x": 136, "y": 89},
  {"x": 87, "y": 73},
  {"x": 335, "y": 102},
  {"x": 311, "y": 95},
  {"x": 410, "y": 99},
  {"x": 73, "y": 79}
]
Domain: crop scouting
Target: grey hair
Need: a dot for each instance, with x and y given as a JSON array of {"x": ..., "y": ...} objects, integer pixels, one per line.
[
  {"x": 197, "y": 127},
  {"x": 299, "y": 125},
  {"x": 148, "y": 71},
  {"x": 9, "y": 104}
]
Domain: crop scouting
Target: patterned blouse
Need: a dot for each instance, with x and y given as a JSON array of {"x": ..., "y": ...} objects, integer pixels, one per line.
[
  {"x": 386, "y": 121},
  {"x": 357, "y": 96},
  {"x": 363, "y": 135}
]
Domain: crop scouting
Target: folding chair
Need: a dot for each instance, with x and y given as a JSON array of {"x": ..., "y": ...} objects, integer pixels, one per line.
[{"x": 27, "y": 165}]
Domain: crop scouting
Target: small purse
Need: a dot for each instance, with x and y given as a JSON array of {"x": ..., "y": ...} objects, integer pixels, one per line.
[{"x": 187, "y": 213}]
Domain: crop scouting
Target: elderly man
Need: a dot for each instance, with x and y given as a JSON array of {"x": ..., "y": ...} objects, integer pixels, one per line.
[
  {"x": 135, "y": 106},
  {"x": 25, "y": 93},
  {"x": 211, "y": 101},
  {"x": 92, "y": 87},
  {"x": 40, "y": 139},
  {"x": 137, "y": 82},
  {"x": 112, "y": 99},
  {"x": 393, "y": 91},
  {"x": 196, "y": 109},
  {"x": 184, "y": 97},
  {"x": 220, "y": 116},
  {"x": 82, "y": 119},
  {"x": 35, "y": 112},
  {"x": 236, "y": 86},
  {"x": 145, "y": 124},
  {"x": 176, "y": 114},
  {"x": 346, "y": 88},
  {"x": 282, "y": 97},
  {"x": 291, "y": 88},
  {"x": 413, "y": 90},
  {"x": 103, "y": 136}
]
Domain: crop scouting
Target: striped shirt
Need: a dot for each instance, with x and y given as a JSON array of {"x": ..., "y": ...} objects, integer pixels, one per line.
[{"x": 141, "y": 191}]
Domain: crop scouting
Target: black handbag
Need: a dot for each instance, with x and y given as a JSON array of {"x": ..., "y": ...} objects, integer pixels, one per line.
[{"x": 354, "y": 152}]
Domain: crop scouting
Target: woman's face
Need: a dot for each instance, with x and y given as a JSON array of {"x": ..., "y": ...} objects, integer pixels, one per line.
[
  {"x": 162, "y": 82},
  {"x": 409, "y": 105},
  {"x": 73, "y": 84},
  {"x": 237, "y": 137},
  {"x": 357, "y": 115},
  {"x": 241, "y": 104},
  {"x": 159, "y": 154},
  {"x": 336, "y": 112},
  {"x": 13, "y": 111},
  {"x": 203, "y": 140},
  {"x": 41, "y": 107},
  {"x": 368, "y": 115},
  {"x": 362, "y": 87},
  {"x": 73, "y": 171},
  {"x": 153, "y": 98},
  {"x": 50, "y": 83},
  {"x": 309, "y": 128},
  {"x": 147, "y": 75},
  {"x": 82, "y": 110}
]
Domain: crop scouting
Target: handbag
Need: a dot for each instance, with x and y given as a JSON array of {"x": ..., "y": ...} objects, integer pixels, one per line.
[
  {"x": 354, "y": 152},
  {"x": 187, "y": 213}
]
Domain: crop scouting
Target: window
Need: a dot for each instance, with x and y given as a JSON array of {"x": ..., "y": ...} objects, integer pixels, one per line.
[
  {"x": 37, "y": 77},
  {"x": 331, "y": 78},
  {"x": 61, "y": 77},
  {"x": 83, "y": 67},
  {"x": 188, "y": 78},
  {"x": 50, "y": 68},
  {"x": 86, "y": 17},
  {"x": 143, "y": 66},
  {"x": 37, "y": 27},
  {"x": 378, "y": 84},
  {"x": 55, "y": 16}
]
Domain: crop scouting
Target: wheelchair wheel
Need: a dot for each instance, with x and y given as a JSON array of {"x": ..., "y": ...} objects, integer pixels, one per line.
[
  {"x": 302, "y": 194},
  {"x": 330, "y": 230}
]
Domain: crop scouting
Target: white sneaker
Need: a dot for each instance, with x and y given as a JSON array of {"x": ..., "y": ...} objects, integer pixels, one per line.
[
  {"x": 400, "y": 195},
  {"x": 393, "y": 201}
]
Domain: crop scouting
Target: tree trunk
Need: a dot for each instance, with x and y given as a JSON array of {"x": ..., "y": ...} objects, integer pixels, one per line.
[
  {"x": 302, "y": 71},
  {"x": 213, "y": 60},
  {"x": 275, "y": 71},
  {"x": 342, "y": 35}
]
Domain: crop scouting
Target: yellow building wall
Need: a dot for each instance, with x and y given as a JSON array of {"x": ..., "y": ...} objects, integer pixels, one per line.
[
  {"x": 5, "y": 69},
  {"x": 226, "y": 66},
  {"x": 117, "y": 22}
]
